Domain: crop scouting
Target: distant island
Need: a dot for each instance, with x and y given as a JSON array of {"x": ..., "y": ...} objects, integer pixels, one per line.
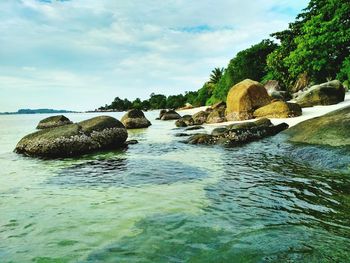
[{"x": 36, "y": 111}]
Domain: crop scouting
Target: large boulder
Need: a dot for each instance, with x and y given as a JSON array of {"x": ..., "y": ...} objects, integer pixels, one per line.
[
  {"x": 244, "y": 98},
  {"x": 279, "y": 109},
  {"x": 328, "y": 93},
  {"x": 331, "y": 129},
  {"x": 170, "y": 115},
  {"x": 53, "y": 121},
  {"x": 99, "y": 133},
  {"x": 135, "y": 119}
]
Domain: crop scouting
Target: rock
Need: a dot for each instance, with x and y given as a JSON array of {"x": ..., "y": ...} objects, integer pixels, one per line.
[
  {"x": 135, "y": 119},
  {"x": 201, "y": 139},
  {"x": 182, "y": 134},
  {"x": 218, "y": 105},
  {"x": 330, "y": 129},
  {"x": 328, "y": 93},
  {"x": 243, "y": 125},
  {"x": 187, "y": 106},
  {"x": 185, "y": 121},
  {"x": 272, "y": 86},
  {"x": 279, "y": 109},
  {"x": 235, "y": 136},
  {"x": 170, "y": 115},
  {"x": 131, "y": 142},
  {"x": 200, "y": 117},
  {"x": 161, "y": 113},
  {"x": 99, "y": 133},
  {"x": 219, "y": 131},
  {"x": 217, "y": 115},
  {"x": 244, "y": 98},
  {"x": 194, "y": 128},
  {"x": 53, "y": 121},
  {"x": 302, "y": 82},
  {"x": 280, "y": 95}
]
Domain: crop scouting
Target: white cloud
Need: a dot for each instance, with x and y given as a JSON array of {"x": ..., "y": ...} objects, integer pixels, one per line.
[{"x": 95, "y": 50}]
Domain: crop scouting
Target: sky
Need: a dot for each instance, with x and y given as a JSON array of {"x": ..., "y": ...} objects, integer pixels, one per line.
[{"x": 81, "y": 54}]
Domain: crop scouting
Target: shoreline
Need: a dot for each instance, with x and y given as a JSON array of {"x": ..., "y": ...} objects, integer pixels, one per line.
[{"x": 307, "y": 113}]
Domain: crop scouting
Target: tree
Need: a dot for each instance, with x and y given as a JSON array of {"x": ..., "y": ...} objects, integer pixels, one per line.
[
  {"x": 249, "y": 63},
  {"x": 216, "y": 75},
  {"x": 157, "y": 101},
  {"x": 316, "y": 43}
]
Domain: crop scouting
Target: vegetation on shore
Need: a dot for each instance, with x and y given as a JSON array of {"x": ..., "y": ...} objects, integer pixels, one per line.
[{"x": 316, "y": 45}]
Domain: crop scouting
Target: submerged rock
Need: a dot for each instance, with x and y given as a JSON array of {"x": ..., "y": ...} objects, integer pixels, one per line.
[
  {"x": 279, "y": 109},
  {"x": 91, "y": 135},
  {"x": 135, "y": 119},
  {"x": 244, "y": 98},
  {"x": 328, "y": 93},
  {"x": 331, "y": 129},
  {"x": 194, "y": 128},
  {"x": 239, "y": 134},
  {"x": 53, "y": 121}
]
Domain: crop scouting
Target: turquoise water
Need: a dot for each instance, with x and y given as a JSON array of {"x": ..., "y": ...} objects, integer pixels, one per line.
[{"x": 165, "y": 201}]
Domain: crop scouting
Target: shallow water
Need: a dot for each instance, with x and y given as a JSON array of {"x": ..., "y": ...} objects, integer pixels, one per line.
[{"x": 165, "y": 201}]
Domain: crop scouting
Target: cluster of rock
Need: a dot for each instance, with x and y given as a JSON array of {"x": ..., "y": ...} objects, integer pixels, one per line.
[
  {"x": 72, "y": 139},
  {"x": 214, "y": 114},
  {"x": 250, "y": 99},
  {"x": 135, "y": 119},
  {"x": 238, "y": 134}
]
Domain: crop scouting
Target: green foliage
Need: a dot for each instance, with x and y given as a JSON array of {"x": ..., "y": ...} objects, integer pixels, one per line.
[
  {"x": 175, "y": 101},
  {"x": 249, "y": 63},
  {"x": 316, "y": 43},
  {"x": 216, "y": 75}
]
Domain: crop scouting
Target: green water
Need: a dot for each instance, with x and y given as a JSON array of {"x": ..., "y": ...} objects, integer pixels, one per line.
[{"x": 165, "y": 201}]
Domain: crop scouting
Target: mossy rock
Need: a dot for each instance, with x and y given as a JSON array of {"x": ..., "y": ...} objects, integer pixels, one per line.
[
  {"x": 279, "y": 109},
  {"x": 328, "y": 93},
  {"x": 95, "y": 134},
  {"x": 135, "y": 119},
  {"x": 217, "y": 115},
  {"x": 53, "y": 121},
  {"x": 331, "y": 129}
]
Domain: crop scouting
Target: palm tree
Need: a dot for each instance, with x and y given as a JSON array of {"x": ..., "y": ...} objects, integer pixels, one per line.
[{"x": 216, "y": 75}]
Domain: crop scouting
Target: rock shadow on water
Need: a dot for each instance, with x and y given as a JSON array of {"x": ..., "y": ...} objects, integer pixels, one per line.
[{"x": 124, "y": 172}]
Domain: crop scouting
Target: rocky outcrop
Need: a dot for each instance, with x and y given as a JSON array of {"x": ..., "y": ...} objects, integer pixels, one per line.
[
  {"x": 53, "y": 121},
  {"x": 91, "y": 135},
  {"x": 328, "y": 93},
  {"x": 170, "y": 115},
  {"x": 235, "y": 135},
  {"x": 331, "y": 129},
  {"x": 279, "y": 109},
  {"x": 271, "y": 86},
  {"x": 135, "y": 119},
  {"x": 244, "y": 98}
]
